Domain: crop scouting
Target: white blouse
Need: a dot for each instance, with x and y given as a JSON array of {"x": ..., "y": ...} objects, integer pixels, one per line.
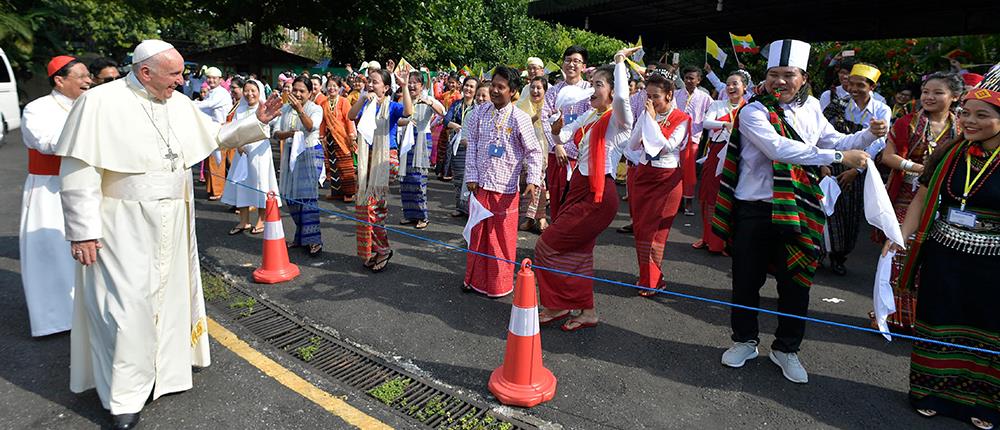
[{"x": 618, "y": 132}]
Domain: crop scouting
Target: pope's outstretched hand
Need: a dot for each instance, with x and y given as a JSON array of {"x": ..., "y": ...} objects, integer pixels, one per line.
[{"x": 270, "y": 110}]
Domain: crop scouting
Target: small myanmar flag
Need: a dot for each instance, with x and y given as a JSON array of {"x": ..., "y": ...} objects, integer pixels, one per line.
[
  {"x": 713, "y": 50},
  {"x": 451, "y": 66},
  {"x": 742, "y": 44}
]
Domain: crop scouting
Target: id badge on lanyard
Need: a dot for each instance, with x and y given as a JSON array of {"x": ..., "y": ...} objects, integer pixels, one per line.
[{"x": 961, "y": 217}]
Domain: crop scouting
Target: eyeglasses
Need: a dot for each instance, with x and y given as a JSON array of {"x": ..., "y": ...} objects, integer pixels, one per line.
[{"x": 573, "y": 61}]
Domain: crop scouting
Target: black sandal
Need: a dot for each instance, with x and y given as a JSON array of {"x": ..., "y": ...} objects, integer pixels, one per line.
[
  {"x": 381, "y": 264},
  {"x": 237, "y": 230},
  {"x": 422, "y": 224},
  {"x": 315, "y": 249}
]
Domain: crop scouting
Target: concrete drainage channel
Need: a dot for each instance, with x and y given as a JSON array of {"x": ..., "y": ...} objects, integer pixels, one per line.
[{"x": 425, "y": 402}]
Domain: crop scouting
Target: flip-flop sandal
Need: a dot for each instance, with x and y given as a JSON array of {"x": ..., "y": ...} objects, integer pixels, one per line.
[
  {"x": 257, "y": 230},
  {"x": 700, "y": 244},
  {"x": 648, "y": 293},
  {"x": 384, "y": 262},
  {"x": 579, "y": 325},
  {"x": 238, "y": 230},
  {"x": 315, "y": 249},
  {"x": 555, "y": 319},
  {"x": 422, "y": 224},
  {"x": 982, "y": 424},
  {"x": 928, "y": 413}
]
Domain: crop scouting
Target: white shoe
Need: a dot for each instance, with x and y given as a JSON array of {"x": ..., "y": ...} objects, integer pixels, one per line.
[
  {"x": 739, "y": 353},
  {"x": 790, "y": 366}
]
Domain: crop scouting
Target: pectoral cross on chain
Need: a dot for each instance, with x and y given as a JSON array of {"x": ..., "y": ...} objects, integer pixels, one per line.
[{"x": 172, "y": 157}]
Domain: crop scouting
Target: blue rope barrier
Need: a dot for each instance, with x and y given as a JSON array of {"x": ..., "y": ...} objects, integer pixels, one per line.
[{"x": 624, "y": 284}]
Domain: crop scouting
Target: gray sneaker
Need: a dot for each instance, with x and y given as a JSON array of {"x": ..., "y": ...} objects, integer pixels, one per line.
[
  {"x": 790, "y": 366},
  {"x": 739, "y": 353}
]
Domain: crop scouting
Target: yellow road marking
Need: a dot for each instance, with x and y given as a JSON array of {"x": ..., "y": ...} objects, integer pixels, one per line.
[{"x": 289, "y": 379}]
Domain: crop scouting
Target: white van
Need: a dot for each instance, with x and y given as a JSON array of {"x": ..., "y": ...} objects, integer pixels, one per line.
[{"x": 10, "y": 112}]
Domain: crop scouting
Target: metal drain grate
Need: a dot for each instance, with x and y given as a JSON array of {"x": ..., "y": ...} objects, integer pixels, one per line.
[{"x": 405, "y": 393}]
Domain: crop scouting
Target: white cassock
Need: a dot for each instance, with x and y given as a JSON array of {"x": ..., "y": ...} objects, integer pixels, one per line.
[
  {"x": 139, "y": 313},
  {"x": 47, "y": 268}
]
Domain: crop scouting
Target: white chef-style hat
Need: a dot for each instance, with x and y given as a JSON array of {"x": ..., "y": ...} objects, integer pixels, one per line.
[
  {"x": 149, "y": 48},
  {"x": 213, "y": 72},
  {"x": 788, "y": 52}
]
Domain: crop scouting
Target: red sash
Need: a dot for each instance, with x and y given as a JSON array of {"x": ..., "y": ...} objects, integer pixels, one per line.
[
  {"x": 597, "y": 152},
  {"x": 43, "y": 164},
  {"x": 674, "y": 119}
]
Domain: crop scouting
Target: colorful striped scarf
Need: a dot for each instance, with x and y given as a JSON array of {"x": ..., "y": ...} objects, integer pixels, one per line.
[{"x": 795, "y": 202}]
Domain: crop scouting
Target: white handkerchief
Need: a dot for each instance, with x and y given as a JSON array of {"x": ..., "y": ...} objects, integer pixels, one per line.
[
  {"x": 477, "y": 213},
  {"x": 884, "y": 303},
  {"x": 722, "y": 159},
  {"x": 298, "y": 147},
  {"x": 702, "y": 159},
  {"x": 217, "y": 155},
  {"x": 878, "y": 208},
  {"x": 831, "y": 191},
  {"x": 455, "y": 140},
  {"x": 240, "y": 168},
  {"x": 405, "y": 146},
  {"x": 569, "y": 172},
  {"x": 570, "y": 95},
  {"x": 366, "y": 125}
]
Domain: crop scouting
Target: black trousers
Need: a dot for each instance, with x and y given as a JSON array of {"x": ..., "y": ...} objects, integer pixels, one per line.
[{"x": 757, "y": 247}]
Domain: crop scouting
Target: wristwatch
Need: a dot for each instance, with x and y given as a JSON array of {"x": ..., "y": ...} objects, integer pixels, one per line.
[{"x": 838, "y": 157}]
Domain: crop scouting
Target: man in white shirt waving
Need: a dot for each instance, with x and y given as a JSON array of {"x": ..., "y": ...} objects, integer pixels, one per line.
[{"x": 768, "y": 205}]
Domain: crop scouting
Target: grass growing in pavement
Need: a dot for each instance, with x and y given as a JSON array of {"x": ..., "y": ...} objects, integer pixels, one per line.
[
  {"x": 433, "y": 407},
  {"x": 214, "y": 287},
  {"x": 246, "y": 304},
  {"x": 470, "y": 422},
  {"x": 307, "y": 352},
  {"x": 389, "y": 391}
]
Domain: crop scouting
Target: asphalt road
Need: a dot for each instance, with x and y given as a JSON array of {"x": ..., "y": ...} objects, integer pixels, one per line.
[{"x": 650, "y": 364}]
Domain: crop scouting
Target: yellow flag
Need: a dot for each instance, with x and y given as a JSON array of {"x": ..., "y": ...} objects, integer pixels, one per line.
[
  {"x": 715, "y": 52},
  {"x": 404, "y": 65},
  {"x": 451, "y": 66},
  {"x": 637, "y": 55}
]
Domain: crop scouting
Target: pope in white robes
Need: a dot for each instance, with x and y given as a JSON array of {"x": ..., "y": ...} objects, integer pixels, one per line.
[
  {"x": 47, "y": 268},
  {"x": 139, "y": 321}
]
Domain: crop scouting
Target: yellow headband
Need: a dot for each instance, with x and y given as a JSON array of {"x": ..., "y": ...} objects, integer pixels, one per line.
[{"x": 866, "y": 71}]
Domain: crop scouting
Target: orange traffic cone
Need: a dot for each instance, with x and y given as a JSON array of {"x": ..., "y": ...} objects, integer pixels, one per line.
[
  {"x": 522, "y": 380},
  {"x": 276, "y": 267}
]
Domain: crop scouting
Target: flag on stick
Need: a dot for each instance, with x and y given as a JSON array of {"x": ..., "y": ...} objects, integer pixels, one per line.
[
  {"x": 715, "y": 52},
  {"x": 743, "y": 44},
  {"x": 637, "y": 55},
  {"x": 451, "y": 66}
]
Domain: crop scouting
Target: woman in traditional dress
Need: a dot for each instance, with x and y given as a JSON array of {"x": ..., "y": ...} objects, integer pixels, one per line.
[
  {"x": 301, "y": 163},
  {"x": 534, "y": 214},
  {"x": 417, "y": 160},
  {"x": 378, "y": 121},
  {"x": 662, "y": 131},
  {"x": 912, "y": 138},
  {"x": 337, "y": 130},
  {"x": 473, "y": 92},
  {"x": 591, "y": 202},
  {"x": 955, "y": 215},
  {"x": 719, "y": 120},
  {"x": 249, "y": 192}
]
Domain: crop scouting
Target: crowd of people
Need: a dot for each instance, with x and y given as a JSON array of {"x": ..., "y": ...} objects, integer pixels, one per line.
[{"x": 533, "y": 151}]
